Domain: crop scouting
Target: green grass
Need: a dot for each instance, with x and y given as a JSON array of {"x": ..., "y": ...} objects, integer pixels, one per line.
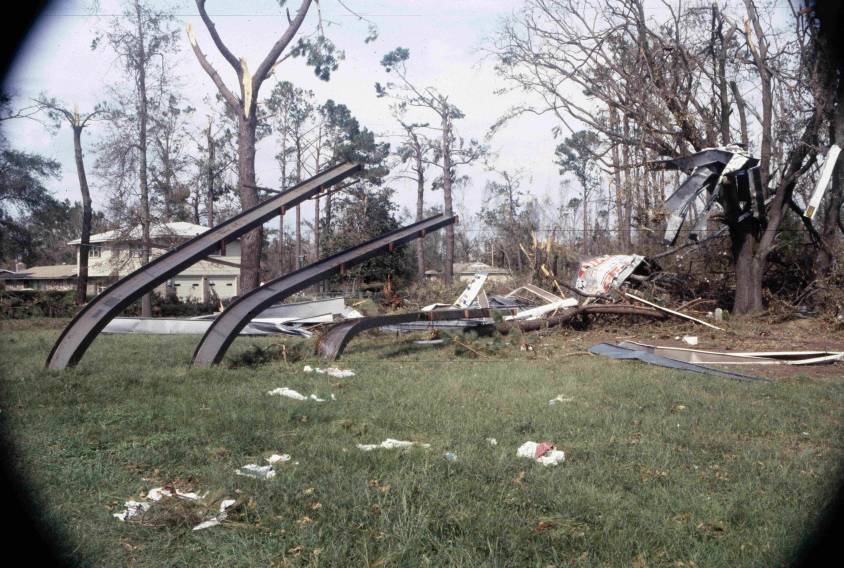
[{"x": 662, "y": 467}]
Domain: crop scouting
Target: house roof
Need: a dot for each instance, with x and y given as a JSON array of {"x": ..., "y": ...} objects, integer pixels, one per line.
[
  {"x": 181, "y": 229},
  {"x": 211, "y": 268},
  {"x": 475, "y": 267},
  {"x": 54, "y": 272}
]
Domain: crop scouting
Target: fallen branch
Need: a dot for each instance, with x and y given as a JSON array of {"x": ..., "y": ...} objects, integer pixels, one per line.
[{"x": 672, "y": 312}]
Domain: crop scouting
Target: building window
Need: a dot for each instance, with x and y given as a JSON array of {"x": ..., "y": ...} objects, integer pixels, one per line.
[
  {"x": 94, "y": 252},
  {"x": 229, "y": 284}
]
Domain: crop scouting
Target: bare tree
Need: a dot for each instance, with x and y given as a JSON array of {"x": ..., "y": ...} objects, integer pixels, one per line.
[
  {"x": 320, "y": 53},
  {"x": 141, "y": 38},
  {"x": 677, "y": 82},
  {"x": 451, "y": 152},
  {"x": 78, "y": 122}
]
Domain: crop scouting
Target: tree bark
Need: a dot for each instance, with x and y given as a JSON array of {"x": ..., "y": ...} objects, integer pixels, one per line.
[
  {"x": 420, "y": 209},
  {"x": 209, "y": 199},
  {"x": 85, "y": 239},
  {"x": 448, "y": 268},
  {"x": 146, "y": 242},
  {"x": 749, "y": 267},
  {"x": 250, "y": 243}
]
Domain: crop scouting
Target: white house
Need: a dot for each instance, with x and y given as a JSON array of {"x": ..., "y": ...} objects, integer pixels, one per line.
[{"x": 116, "y": 253}]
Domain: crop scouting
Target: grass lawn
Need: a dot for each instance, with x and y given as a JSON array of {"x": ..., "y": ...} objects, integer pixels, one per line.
[{"x": 662, "y": 468}]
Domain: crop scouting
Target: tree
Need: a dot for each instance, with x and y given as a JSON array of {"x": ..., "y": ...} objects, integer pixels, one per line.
[
  {"x": 504, "y": 212},
  {"x": 22, "y": 196},
  {"x": 292, "y": 112},
  {"x": 141, "y": 39},
  {"x": 451, "y": 152},
  {"x": 577, "y": 156},
  {"x": 319, "y": 52},
  {"x": 415, "y": 151},
  {"x": 668, "y": 79},
  {"x": 78, "y": 122}
]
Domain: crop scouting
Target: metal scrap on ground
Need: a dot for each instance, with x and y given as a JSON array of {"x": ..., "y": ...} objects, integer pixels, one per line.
[{"x": 626, "y": 350}]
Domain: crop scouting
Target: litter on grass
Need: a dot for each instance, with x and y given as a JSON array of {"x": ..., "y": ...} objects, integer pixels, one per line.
[
  {"x": 330, "y": 371},
  {"x": 450, "y": 456},
  {"x": 391, "y": 444},
  {"x": 543, "y": 452},
  {"x": 256, "y": 471},
  {"x": 135, "y": 508},
  {"x": 221, "y": 516},
  {"x": 492, "y": 441},
  {"x": 275, "y": 458},
  {"x": 559, "y": 399},
  {"x": 295, "y": 395}
]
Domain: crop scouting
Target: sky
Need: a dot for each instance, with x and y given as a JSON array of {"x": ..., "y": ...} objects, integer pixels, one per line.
[{"x": 445, "y": 39}]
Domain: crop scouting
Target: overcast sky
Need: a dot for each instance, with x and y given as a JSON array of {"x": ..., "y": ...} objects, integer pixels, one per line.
[{"x": 445, "y": 39}]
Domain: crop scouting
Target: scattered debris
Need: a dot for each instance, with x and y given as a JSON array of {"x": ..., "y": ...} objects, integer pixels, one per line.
[
  {"x": 543, "y": 452},
  {"x": 221, "y": 516},
  {"x": 559, "y": 399},
  {"x": 823, "y": 181},
  {"x": 391, "y": 444},
  {"x": 672, "y": 312},
  {"x": 450, "y": 456},
  {"x": 330, "y": 371},
  {"x": 256, "y": 471},
  {"x": 690, "y": 339},
  {"x": 741, "y": 358},
  {"x": 275, "y": 458},
  {"x": 295, "y": 395},
  {"x": 597, "y": 276},
  {"x": 492, "y": 441},
  {"x": 629, "y": 350},
  {"x": 135, "y": 508}
]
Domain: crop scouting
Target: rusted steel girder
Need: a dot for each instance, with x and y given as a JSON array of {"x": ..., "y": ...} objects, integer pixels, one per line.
[
  {"x": 82, "y": 330},
  {"x": 225, "y": 328},
  {"x": 333, "y": 342}
]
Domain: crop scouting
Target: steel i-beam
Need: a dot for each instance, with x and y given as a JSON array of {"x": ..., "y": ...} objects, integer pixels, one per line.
[
  {"x": 82, "y": 330},
  {"x": 333, "y": 342},
  {"x": 228, "y": 324}
]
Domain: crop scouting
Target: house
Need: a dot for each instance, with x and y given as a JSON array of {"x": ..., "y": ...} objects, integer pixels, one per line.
[
  {"x": 56, "y": 277},
  {"x": 465, "y": 272},
  {"x": 114, "y": 254}
]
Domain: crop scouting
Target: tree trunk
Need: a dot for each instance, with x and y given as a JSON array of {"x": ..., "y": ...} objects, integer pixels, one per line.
[
  {"x": 146, "y": 243},
  {"x": 250, "y": 243},
  {"x": 620, "y": 199},
  {"x": 298, "y": 208},
  {"x": 85, "y": 240},
  {"x": 420, "y": 212},
  {"x": 448, "y": 266},
  {"x": 209, "y": 199},
  {"x": 749, "y": 269},
  {"x": 824, "y": 258}
]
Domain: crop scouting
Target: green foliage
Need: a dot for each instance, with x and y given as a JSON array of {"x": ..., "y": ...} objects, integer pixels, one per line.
[
  {"x": 23, "y": 196},
  {"x": 27, "y": 304},
  {"x": 362, "y": 214},
  {"x": 319, "y": 53}
]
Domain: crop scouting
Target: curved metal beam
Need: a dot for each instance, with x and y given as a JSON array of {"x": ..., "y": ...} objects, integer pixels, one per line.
[
  {"x": 82, "y": 330},
  {"x": 333, "y": 342},
  {"x": 225, "y": 328}
]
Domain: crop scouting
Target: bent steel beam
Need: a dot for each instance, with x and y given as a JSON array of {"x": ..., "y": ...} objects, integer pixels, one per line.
[
  {"x": 82, "y": 330},
  {"x": 225, "y": 328},
  {"x": 333, "y": 342}
]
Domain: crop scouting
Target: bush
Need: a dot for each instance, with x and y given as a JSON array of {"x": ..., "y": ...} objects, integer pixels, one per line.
[{"x": 26, "y": 304}]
